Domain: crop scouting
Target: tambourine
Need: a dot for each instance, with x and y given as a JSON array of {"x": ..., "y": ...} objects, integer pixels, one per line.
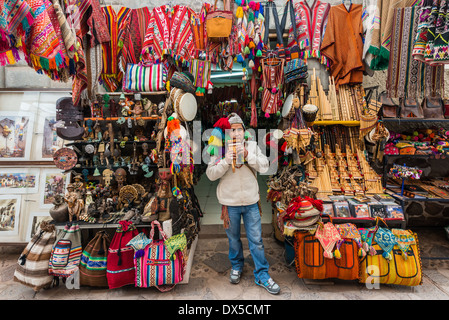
[
  {"x": 186, "y": 106},
  {"x": 65, "y": 158}
]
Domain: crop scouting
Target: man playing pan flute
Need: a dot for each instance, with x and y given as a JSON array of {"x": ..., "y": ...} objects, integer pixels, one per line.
[{"x": 238, "y": 192}]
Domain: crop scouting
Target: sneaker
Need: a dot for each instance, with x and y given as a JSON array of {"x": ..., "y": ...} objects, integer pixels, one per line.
[
  {"x": 235, "y": 276},
  {"x": 270, "y": 286}
]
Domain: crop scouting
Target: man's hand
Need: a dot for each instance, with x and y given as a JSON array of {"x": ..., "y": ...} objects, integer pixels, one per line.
[{"x": 229, "y": 156}]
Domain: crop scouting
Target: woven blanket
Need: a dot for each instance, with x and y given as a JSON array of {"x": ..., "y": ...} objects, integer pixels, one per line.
[
  {"x": 406, "y": 75},
  {"x": 386, "y": 240},
  {"x": 135, "y": 33},
  {"x": 404, "y": 239},
  {"x": 382, "y": 31}
]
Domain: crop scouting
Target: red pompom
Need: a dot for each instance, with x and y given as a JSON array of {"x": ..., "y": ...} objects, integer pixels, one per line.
[{"x": 223, "y": 124}]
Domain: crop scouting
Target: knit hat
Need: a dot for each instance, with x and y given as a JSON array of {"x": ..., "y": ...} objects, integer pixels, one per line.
[{"x": 235, "y": 118}]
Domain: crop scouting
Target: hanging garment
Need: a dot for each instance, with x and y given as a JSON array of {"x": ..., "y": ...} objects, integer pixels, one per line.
[
  {"x": 80, "y": 80},
  {"x": 433, "y": 32},
  {"x": 181, "y": 36},
  {"x": 381, "y": 33},
  {"x": 98, "y": 28},
  {"x": 406, "y": 76},
  {"x": 311, "y": 23},
  {"x": 273, "y": 77},
  {"x": 343, "y": 44},
  {"x": 68, "y": 34},
  {"x": 369, "y": 19},
  {"x": 134, "y": 37},
  {"x": 112, "y": 75},
  {"x": 43, "y": 50}
]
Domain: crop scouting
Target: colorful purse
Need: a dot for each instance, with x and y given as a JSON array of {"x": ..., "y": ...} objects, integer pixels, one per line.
[
  {"x": 201, "y": 70},
  {"x": 395, "y": 259},
  {"x": 140, "y": 78},
  {"x": 157, "y": 266}
]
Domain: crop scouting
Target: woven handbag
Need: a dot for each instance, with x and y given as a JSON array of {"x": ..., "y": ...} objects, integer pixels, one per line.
[
  {"x": 66, "y": 252},
  {"x": 140, "y": 78},
  {"x": 93, "y": 264},
  {"x": 120, "y": 260},
  {"x": 157, "y": 266},
  {"x": 32, "y": 268},
  {"x": 200, "y": 69},
  {"x": 395, "y": 258},
  {"x": 219, "y": 22}
]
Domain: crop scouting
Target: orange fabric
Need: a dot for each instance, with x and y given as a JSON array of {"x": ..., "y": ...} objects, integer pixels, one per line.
[
  {"x": 310, "y": 262},
  {"x": 343, "y": 45}
]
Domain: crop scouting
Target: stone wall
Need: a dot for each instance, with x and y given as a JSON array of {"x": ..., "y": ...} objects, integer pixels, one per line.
[{"x": 427, "y": 213}]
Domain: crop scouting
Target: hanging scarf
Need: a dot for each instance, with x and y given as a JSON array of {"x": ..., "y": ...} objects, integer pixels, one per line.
[
  {"x": 112, "y": 74},
  {"x": 328, "y": 236},
  {"x": 80, "y": 80},
  {"x": 367, "y": 237},
  {"x": 349, "y": 231},
  {"x": 181, "y": 37},
  {"x": 386, "y": 240},
  {"x": 157, "y": 36},
  {"x": 404, "y": 240},
  {"x": 76, "y": 11},
  {"x": 68, "y": 36}
]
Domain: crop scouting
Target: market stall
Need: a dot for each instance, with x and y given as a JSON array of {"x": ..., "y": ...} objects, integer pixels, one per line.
[{"x": 140, "y": 77}]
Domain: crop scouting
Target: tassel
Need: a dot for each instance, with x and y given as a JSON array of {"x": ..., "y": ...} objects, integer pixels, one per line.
[
  {"x": 267, "y": 115},
  {"x": 251, "y": 64},
  {"x": 259, "y": 53},
  {"x": 372, "y": 251},
  {"x": 252, "y": 45},
  {"x": 386, "y": 255},
  {"x": 362, "y": 252},
  {"x": 139, "y": 253},
  {"x": 239, "y": 13},
  {"x": 240, "y": 58},
  {"x": 404, "y": 255},
  {"x": 337, "y": 254},
  {"x": 260, "y": 89},
  {"x": 328, "y": 254},
  {"x": 365, "y": 246},
  {"x": 246, "y": 51}
]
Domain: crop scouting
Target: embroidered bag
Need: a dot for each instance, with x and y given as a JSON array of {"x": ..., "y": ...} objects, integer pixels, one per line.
[
  {"x": 219, "y": 22},
  {"x": 32, "y": 268},
  {"x": 401, "y": 269},
  {"x": 144, "y": 78},
  {"x": 157, "y": 267},
  {"x": 94, "y": 261},
  {"x": 200, "y": 69},
  {"x": 120, "y": 260},
  {"x": 66, "y": 252}
]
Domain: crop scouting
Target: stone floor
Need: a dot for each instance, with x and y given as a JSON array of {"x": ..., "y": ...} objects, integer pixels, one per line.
[{"x": 209, "y": 278}]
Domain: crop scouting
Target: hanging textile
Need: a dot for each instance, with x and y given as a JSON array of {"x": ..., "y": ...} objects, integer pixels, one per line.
[
  {"x": 407, "y": 77},
  {"x": 76, "y": 11},
  {"x": 112, "y": 75},
  {"x": 311, "y": 23},
  {"x": 68, "y": 35},
  {"x": 432, "y": 42},
  {"x": 343, "y": 44},
  {"x": 273, "y": 78},
  {"x": 80, "y": 80},
  {"x": 382, "y": 28},
  {"x": 98, "y": 28},
  {"x": 369, "y": 19},
  {"x": 43, "y": 49},
  {"x": 198, "y": 25},
  {"x": 134, "y": 36},
  {"x": 328, "y": 236},
  {"x": 181, "y": 42}
]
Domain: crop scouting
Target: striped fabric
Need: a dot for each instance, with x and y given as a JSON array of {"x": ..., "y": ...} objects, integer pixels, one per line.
[
  {"x": 273, "y": 77},
  {"x": 34, "y": 272},
  {"x": 93, "y": 264},
  {"x": 66, "y": 252},
  {"x": 16, "y": 17},
  {"x": 201, "y": 70},
  {"x": 112, "y": 75},
  {"x": 156, "y": 268},
  {"x": 141, "y": 78},
  {"x": 134, "y": 37}
]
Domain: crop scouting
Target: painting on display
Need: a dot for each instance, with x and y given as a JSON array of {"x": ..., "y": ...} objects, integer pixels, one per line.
[
  {"x": 9, "y": 214},
  {"x": 16, "y": 132},
  {"x": 19, "y": 180},
  {"x": 53, "y": 182},
  {"x": 48, "y": 142},
  {"x": 34, "y": 222}
]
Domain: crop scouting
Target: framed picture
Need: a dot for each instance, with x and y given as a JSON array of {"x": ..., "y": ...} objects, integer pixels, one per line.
[
  {"x": 16, "y": 133},
  {"x": 53, "y": 182},
  {"x": 19, "y": 180},
  {"x": 48, "y": 141},
  {"x": 34, "y": 221},
  {"x": 9, "y": 214}
]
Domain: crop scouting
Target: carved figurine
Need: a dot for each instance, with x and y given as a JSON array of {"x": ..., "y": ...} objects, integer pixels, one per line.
[{"x": 74, "y": 203}]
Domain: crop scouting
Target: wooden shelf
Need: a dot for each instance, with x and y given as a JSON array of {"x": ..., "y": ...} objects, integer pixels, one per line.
[
  {"x": 332, "y": 123},
  {"x": 143, "y": 93},
  {"x": 126, "y": 118}
]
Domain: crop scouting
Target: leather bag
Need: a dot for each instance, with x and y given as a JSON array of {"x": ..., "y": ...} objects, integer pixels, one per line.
[
  {"x": 389, "y": 107},
  {"x": 433, "y": 108},
  {"x": 410, "y": 108}
]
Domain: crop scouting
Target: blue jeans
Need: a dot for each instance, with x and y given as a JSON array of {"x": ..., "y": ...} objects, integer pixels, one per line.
[{"x": 253, "y": 228}]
